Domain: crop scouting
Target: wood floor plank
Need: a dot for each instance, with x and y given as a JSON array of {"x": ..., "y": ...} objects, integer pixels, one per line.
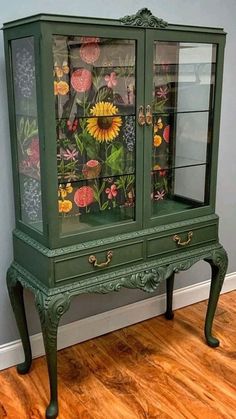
[
  {"x": 118, "y": 381},
  {"x": 90, "y": 391},
  {"x": 158, "y": 384},
  {"x": 156, "y": 369}
]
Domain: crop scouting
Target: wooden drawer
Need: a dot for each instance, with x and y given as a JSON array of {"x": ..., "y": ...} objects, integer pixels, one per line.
[
  {"x": 71, "y": 267},
  {"x": 193, "y": 236}
]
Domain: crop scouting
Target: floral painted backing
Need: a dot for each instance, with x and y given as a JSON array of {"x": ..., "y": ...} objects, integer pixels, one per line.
[{"x": 94, "y": 88}]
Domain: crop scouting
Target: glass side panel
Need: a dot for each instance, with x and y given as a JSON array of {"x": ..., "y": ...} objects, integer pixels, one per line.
[
  {"x": 25, "y": 103},
  {"x": 94, "y": 88},
  {"x": 183, "y": 97}
]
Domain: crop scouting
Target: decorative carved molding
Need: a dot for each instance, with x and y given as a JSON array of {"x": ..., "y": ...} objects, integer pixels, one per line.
[
  {"x": 27, "y": 279},
  {"x": 145, "y": 276},
  {"x": 52, "y": 303},
  {"x": 145, "y": 19},
  {"x": 50, "y": 309},
  {"x": 147, "y": 280},
  {"x": 213, "y": 218},
  {"x": 219, "y": 259}
]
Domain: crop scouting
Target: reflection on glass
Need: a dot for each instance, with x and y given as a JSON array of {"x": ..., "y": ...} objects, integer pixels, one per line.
[
  {"x": 24, "y": 83},
  {"x": 184, "y": 76},
  {"x": 183, "y": 94},
  {"x": 178, "y": 189},
  {"x": 189, "y": 183},
  {"x": 89, "y": 71},
  {"x": 191, "y": 137},
  {"x": 94, "y": 88}
]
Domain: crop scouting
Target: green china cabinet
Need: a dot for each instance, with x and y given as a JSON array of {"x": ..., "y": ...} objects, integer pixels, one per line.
[{"x": 114, "y": 130}]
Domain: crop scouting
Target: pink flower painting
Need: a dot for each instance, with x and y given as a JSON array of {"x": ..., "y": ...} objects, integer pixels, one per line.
[
  {"x": 72, "y": 126},
  {"x": 111, "y": 192},
  {"x": 89, "y": 50},
  {"x": 81, "y": 80},
  {"x": 111, "y": 79},
  {"x": 162, "y": 92},
  {"x": 33, "y": 152},
  {"x": 91, "y": 169},
  {"x": 166, "y": 134},
  {"x": 159, "y": 195},
  {"x": 92, "y": 163},
  {"x": 69, "y": 154},
  {"x": 84, "y": 196}
]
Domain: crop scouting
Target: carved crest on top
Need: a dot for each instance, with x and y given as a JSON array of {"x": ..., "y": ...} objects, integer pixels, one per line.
[{"x": 144, "y": 18}]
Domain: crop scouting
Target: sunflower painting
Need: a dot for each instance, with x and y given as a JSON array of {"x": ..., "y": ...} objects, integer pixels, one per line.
[
  {"x": 94, "y": 90},
  {"x": 105, "y": 125}
]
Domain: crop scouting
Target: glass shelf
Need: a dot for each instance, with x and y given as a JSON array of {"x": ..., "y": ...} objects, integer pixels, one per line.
[
  {"x": 173, "y": 111},
  {"x": 64, "y": 119},
  {"x": 170, "y": 206},
  {"x": 180, "y": 163},
  {"x": 100, "y": 178}
]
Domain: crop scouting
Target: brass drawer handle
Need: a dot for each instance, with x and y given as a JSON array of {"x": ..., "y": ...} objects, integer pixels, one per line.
[
  {"x": 177, "y": 239},
  {"x": 141, "y": 116},
  {"x": 148, "y": 115},
  {"x": 92, "y": 259}
]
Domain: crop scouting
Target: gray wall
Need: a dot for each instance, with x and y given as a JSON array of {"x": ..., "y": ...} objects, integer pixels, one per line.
[{"x": 200, "y": 12}]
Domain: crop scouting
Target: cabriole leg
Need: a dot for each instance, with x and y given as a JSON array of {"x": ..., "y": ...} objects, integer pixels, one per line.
[
  {"x": 219, "y": 264},
  {"x": 169, "y": 296},
  {"x": 15, "y": 291},
  {"x": 50, "y": 310}
]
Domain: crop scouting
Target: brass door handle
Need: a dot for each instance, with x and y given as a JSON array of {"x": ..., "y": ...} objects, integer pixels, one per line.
[
  {"x": 177, "y": 239},
  {"x": 141, "y": 116},
  {"x": 93, "y": 260},
  {"x": 148, "y": 115}
]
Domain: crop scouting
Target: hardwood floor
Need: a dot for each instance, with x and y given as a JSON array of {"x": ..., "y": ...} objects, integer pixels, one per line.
[{"x": 155, "y": 369}]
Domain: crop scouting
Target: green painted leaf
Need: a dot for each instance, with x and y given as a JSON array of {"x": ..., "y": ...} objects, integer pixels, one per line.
[
  {"x": 165, "y": 184},
  {"x": 159, "y": 106},
  {"x": 105, "y": 205},
  {"x": 118, "y": 99},
  {"x": 79, "y": 143},
  {"x": 33, "y": 130},
  {"x": 104, "y": 94},
  {"x": 91, "y": 152},
  {"x": 116, "y": 160},
  {"x": 21, "y": 128},
  {"x": 102, "y": 188},
  {"x": 26, "y": 128}
]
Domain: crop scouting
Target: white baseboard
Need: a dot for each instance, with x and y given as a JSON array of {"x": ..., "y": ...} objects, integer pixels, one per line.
[{"x": 88, "y": 328}]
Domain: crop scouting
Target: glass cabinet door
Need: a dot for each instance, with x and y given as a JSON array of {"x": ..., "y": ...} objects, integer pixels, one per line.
[
  {"x": 182, "y": 106},
  {"x": 94, "y": 89}
]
